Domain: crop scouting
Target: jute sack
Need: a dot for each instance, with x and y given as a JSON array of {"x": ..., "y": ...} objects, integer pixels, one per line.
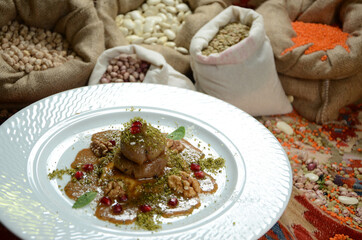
[
  {"x": 253, "y": 4},
  {"x": 320, "y": 88},
  {"x": 160, "y": 72},
  {"x": 76, "y": 21},
  {"x": 244, "y": 74},
  {"x": 203, "y": 11}
]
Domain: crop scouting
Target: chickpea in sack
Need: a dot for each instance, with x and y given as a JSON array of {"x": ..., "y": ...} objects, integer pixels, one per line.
[
  {"x": 232, "y": 59},
  {"x": 44, "y": 52},
  {"x": 165, "y": 26},
  {"x": 33, "y": 49}
]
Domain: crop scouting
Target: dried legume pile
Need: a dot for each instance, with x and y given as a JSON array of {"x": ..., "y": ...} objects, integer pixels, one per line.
[
  {"x": 125, "y": 68},
  {"x": 323, "y": 37},
  {"x": 155, "y": 22},
  {"x": 340, "y": 237},
  {"x": 329, "y": 184},
  {"x": 29, "y": 49},
  {"x": 228, "y": 36}
]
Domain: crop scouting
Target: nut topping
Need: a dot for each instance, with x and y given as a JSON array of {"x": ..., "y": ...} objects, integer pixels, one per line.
[
  {"x": 175, "y": 145},
  {"x": 185, "y": 184},
  {"x": 100, "y": 148},
  {"x": 114, "y": 189}
]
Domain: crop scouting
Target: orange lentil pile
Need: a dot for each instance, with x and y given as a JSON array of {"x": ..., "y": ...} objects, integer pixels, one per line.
[
  {"x": 340, "y": 237},
  {"x": 323, "y": 37}
]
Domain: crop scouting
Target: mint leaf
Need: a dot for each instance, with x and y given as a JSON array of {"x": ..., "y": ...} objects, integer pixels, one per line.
[
  {"x": 85, "y": 199},
  {"x": 178, "y": 134}
]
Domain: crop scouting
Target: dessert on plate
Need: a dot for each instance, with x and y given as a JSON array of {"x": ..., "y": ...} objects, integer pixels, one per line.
[{"x": 140, "y": 175}]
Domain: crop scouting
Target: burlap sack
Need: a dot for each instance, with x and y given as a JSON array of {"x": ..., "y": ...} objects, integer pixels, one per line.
[
  {"x": 203, "y": 11},
  {"x": 248, "y": 3},
  {"x": 320, "y": 88},
  {"x": 78, "y": 22}
]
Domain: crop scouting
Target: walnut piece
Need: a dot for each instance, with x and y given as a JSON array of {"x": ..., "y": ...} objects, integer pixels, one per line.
[
  {"x": 100, "y": 148},
  {"x": 114, "y": 189},
  {"x": 186, "y": 185},
  {"x": 175, "y": 145}
]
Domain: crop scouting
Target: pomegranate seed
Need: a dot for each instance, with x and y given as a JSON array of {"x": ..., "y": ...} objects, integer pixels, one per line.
[
  {"x": 145, "y": 208},
  {"x": 124, "y": 198},
  {"x": 113, "y": 142},
  {"x": 199, "y": 174},
  {"x": 195, "y": 167},
  {"x": 311, "y": 166},
  {"x": 106, "y": 201},
  {"x": 135, "y": 129},
  {"x": 88, "y": 167},
  {"x": 117, "y": 208},
  {"x": 136, "y": 124},
  {"x": 173, "y": 202},
  {"x": 78, "y": 175}
]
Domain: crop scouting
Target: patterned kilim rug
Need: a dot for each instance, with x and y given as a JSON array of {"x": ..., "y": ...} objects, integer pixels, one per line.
[{"x": 327, "y": 176}]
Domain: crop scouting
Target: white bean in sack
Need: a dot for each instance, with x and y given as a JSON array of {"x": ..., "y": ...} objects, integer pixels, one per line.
[{"x": 155, "y": 22}]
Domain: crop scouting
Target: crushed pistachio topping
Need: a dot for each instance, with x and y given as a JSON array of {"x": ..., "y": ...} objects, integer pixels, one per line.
[
  {"x": 176, "y": 161},
  {"x": 59, "y": 173},
  {"x": 149, "y": 135},
  {"x": 147, "y": 221},
  {"x": 211, "y": 164}
]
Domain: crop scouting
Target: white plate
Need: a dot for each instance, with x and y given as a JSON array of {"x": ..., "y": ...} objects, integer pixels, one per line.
[{"x": 254, "y": 189}]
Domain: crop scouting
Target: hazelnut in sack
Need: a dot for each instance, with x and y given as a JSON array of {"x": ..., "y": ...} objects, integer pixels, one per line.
[
  {"x": 133, "y": 63},
  {"x": 232, "y": 59}
]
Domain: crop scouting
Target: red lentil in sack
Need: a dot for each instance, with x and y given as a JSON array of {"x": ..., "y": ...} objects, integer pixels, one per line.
[
  {"x": 317, "y": 47},
  {"x": 320, "y": 37}
]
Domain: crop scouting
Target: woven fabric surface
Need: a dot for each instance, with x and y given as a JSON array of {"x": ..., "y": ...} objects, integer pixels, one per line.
[{"x": 333, "y": 152}]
